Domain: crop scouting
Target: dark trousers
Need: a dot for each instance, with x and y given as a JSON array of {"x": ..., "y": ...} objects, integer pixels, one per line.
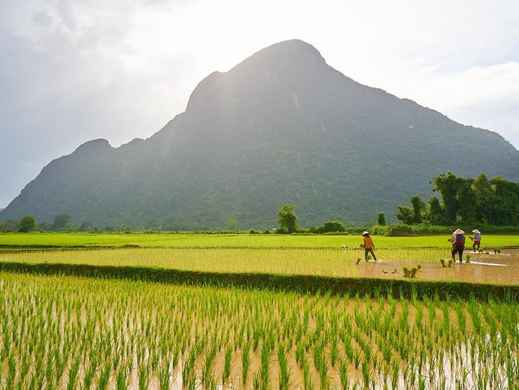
[
  {"x": 367, "y": 251},
  {"x": 459, "y": 251},
  {"x": 476, "y": 245}
]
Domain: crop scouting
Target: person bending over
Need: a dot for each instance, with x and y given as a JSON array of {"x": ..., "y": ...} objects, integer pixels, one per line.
[
  {"x": 369, "y": 246},
  {"x": 476, "y": 240},
  {"x": 458, "y": 244}
]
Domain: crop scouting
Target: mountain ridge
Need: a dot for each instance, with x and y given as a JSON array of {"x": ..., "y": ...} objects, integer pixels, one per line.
[{"x": 280, "y": 126}]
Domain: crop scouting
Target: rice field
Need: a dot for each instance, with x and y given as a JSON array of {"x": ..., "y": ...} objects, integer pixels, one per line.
[
  {"x": 191, "y": 240},
  {"x": 60, "y": 332},
  {"x": 96, "y": 330},
  {"x": 327, "y": 262}
]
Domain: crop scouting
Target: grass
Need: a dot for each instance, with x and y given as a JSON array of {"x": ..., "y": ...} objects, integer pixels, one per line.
[
  {"x": 190, "y": 240},
  {"x": 66, "y": 332}
]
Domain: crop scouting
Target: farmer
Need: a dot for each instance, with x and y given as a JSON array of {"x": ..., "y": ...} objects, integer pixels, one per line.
[
  {"x": 458, "y": 244},
  {"x": 476, "y": 240},
  {"x": 368, "y": 246}
]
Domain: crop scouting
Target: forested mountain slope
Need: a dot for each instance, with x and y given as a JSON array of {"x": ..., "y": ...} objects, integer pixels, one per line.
[{"x": 282, "y": 126}]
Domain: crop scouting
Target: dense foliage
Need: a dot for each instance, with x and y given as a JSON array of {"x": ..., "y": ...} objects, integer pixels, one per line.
[
  {"x": 287, "y": 219},
  {"x": 466, "y": 201},
  {"x": 27, "y": 224}
]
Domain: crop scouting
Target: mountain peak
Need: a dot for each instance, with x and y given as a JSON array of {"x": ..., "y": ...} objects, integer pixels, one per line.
[
  {"x": 95, "y": 145},
  {"x": 289, "y": 48},
  {"x": 281, "y": 126},
  {"x": 281, "y": 61},
  {"x": 292, "y": 52}
]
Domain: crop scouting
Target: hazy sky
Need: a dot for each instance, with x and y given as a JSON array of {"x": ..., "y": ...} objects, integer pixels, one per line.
[{"x": 71, "y": 70}]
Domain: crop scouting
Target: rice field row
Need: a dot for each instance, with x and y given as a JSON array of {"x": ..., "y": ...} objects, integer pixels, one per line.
[
  {"x": 327, "y": 262},
  {"x": 337, "y": 263},
  {"x": 61, "y": 332},
  {"x": 189, "y": 240}
]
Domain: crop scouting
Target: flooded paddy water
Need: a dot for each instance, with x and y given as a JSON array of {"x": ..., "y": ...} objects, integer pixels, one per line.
[
  {"x": 493, "y": 268},
  {"x": 63, "y": 332},
  {"x": 484, "y": 267},
  {"x": 67, "y": 332}
]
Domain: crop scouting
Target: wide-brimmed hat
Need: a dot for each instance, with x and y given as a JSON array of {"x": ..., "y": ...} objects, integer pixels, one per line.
[
  {"x": 459, "y": 231},
  {"x": 365, "y": 233},
  {"x": 476, "y": 231}
]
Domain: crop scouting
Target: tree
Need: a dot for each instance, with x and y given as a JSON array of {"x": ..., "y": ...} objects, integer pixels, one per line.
[
  {"x": 27, "y": 224},
  {"x": 467, "y": 206},
  {"x": 468, "y": 201},
  {"x": 332, "y": 227},
  {"x": 507, "y": 201},
  {"x": 381, "y": 219},
  {"x": 418, "y": 209},
  {"x": 447, "y": 185},
  {"x": 287, "y": 218},
  {"x": 405, "y": 214},
  {"x": 485, "y": 200},
  {"x": 435, "y": 211},
  {"x": 61, "y": 221}
]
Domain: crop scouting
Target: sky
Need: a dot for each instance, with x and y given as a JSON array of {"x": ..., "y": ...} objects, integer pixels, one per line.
[{"x": 75, "y": 70}]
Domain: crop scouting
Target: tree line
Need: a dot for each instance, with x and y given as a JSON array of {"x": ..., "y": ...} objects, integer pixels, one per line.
[
  {"x": 29, "y": 223},
  {"x": 460, "y": 200},
  {"x": 455, "y": 200}
]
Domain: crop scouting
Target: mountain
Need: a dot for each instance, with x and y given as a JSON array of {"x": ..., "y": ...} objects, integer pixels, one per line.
[{"x": 281, "y": 126}]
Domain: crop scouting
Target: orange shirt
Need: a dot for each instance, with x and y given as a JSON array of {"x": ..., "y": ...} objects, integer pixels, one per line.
[{"x": 368, "y": 243}]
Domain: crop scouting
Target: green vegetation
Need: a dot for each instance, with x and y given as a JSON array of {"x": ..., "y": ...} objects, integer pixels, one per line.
[
  {"x": 105, "y": 333},
  {"x": 27, "y": 224},
  {"x": 466, "y": 201},
  {"x": 329, "y": 227},
  {"x": 287, "y": 219},
  {"x": 196, "y": 240}
]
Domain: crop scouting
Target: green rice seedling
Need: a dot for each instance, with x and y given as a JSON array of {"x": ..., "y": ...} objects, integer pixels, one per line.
[
  {"x": 245, "y": 363},
  {"x": 334, "y": 351},
  {"x": 343, "y": 375},
  {"x": 307, "y": 377},
  {"x": 265, "y": 363},
  {"x": 104, "y": 377},
  {"x": 121, "y": 380},
  {"x": 227, "y": 366},
  {"x": 284, "y": 374},
  {"x": 11, "y": 372},
  {"x": 73, "y": 375},
  {"x": 207, "y": 374},
  {"x": 256, "y": 383}
]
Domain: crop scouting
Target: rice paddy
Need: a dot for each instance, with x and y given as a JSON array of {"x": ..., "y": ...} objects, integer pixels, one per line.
[
  {"x": 196, "y": 240},
  {"x": 60, "y": 332},
  {"x": 68, "y": 332}
]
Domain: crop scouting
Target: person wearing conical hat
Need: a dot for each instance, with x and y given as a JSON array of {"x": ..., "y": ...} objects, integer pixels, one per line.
[
  {"x": 458, "y": 244},
  {"x": 368, "y": 245},
  {"x": 476, "y": 240}
]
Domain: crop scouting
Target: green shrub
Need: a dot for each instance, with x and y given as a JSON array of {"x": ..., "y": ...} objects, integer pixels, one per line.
[
  {"x": 27, "y": 224},
  {"x": 332, "y": 227}
]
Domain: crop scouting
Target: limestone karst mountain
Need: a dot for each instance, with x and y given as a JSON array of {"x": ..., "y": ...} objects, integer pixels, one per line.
[{"x": 281, "y": 126}]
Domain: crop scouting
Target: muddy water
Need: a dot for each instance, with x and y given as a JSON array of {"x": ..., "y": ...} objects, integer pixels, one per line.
[{"x": 493, "y": 268}]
